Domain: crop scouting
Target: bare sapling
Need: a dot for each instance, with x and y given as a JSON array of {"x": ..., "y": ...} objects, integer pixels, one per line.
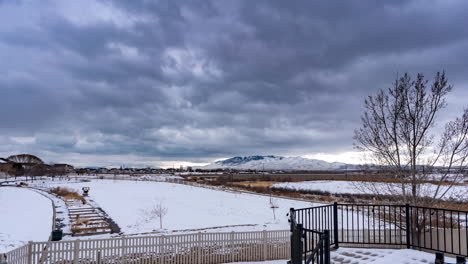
[
  {"x": 157, "y": 211},
  {"x": 273, "y": 205}
]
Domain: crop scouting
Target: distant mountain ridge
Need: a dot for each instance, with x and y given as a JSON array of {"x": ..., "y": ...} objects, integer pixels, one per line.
[{"x": 271, "y": 162}]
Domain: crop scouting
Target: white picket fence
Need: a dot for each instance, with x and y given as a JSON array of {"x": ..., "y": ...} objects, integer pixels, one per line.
[{"x": 178, "y": 249}]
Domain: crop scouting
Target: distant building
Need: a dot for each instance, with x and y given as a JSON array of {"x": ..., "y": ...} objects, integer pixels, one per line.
[{"x": 63, "y": 168}]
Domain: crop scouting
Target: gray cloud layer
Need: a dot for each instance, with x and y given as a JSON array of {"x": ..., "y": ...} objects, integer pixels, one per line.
[{"x": 198, "y": 80}]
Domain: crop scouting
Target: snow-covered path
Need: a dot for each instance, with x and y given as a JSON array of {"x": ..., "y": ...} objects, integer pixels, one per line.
[{"x": 24, "y": 215}]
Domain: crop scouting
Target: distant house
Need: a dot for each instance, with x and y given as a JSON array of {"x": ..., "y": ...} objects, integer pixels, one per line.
[{"x": 63, "y": 168}]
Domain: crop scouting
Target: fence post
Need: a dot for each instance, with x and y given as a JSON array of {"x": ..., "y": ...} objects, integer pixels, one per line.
[
  {"x": 439, "y": 259},
  {"x": 265, "y": 245},
  {"x": 200, "y": 248},
  {"x": 326, "y": 247},
  {"x": 162, "y": 248},
  {"x": 461, "y": 260},
  {"x": 335, "y": 224},
  {"x": 296, "y": 244},
  {"x": 76, "y": 251},
  {"x": 30, "y": 252},
  {"x": 124, "y": 248},
  {"x": 408, "y": 226},
  {"x": 291, "y": 216},
  {"x": 231, "y": 242}
]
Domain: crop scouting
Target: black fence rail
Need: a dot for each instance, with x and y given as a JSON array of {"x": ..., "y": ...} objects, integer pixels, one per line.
[
  {"x": 417, "y": 227},
  {"x": 316, "y": 246},
  {"x": 309, "y": 246},
  {"x": 371, "y": 224}
]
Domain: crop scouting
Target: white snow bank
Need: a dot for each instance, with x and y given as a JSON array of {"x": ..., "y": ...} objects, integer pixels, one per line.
[
  {"x": 24, "y": 216},
  {"x": 456, "y": 192}
]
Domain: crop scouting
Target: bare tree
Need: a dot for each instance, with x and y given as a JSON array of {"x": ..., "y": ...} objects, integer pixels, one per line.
[
  {"x": 158, "y": 210},
  {"x": 398, "y": 133}
]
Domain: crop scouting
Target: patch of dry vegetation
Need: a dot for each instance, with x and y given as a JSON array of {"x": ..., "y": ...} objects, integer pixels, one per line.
[
  {"x": 264, "y": 186},
  {"x": 67, "y": 194}
]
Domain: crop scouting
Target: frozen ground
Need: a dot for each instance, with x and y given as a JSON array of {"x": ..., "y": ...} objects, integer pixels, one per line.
[
  {"x": 189, "y": 208},
  {"x": 374, "y": 256},
  {"x": 24, "y": 215},
  {"x": 456, "y": 192}
]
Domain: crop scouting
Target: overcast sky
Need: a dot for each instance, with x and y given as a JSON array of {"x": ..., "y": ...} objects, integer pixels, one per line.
[{"x": 137, "y": 83}]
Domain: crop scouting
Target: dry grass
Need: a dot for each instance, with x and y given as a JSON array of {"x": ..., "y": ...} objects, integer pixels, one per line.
[
  {"x": 67, "y": 194},
  {"x": 264, "y": 184},
  {"x": 268, "y": 180}
]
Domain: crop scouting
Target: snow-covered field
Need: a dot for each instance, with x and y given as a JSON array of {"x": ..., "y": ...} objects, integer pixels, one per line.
[
  {"x": 24, "y": 215},
  {"x": 456, "y": 192},
  {"x": 189, "y": 208}
]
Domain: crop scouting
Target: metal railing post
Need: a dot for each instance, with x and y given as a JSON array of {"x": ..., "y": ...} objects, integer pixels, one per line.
[
  {"x": 335, "y": 225},
  {"x": 291, "y": 217},
  {"x": 408, "y": 226},
  {"x": 326, "y": 246},
  {"x": 439, "y": 258},
  {"x": 461, "y": 260},
  {"x": 296, "y": 244}
]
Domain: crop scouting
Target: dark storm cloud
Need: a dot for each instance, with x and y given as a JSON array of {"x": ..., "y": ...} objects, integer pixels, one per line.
[{"x": 197, "y": 80}]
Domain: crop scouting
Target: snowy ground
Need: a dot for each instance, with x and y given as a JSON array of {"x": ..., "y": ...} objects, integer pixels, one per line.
[
  {"x": 189, "y": 208},
  {"x": 374, "y": 256},
  {"x": 24, "y": 215},
  {"x": 456, "y": 192}
]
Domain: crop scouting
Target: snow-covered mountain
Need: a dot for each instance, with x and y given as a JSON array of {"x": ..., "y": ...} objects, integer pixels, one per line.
[{"x": 275, "y": 163}]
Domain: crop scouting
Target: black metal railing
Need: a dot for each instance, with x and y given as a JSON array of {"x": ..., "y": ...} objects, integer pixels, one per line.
[
  {"x": 309, "y": 246},
  {"x": 316, "y": 246},
  {"x": 408, "y": 226}
]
